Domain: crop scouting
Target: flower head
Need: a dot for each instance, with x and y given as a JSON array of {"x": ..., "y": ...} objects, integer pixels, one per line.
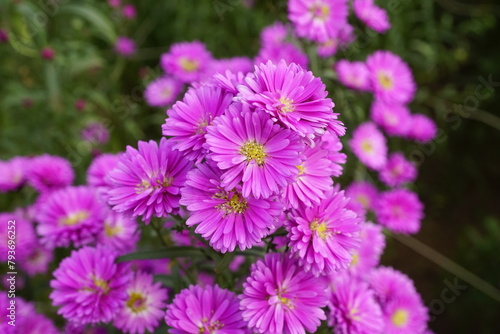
[
  {"x": 125, "y": 46},
  {"x": 97, "y": 173},
  {"x": 119, "y": 233},
  {"x": 398, "y": 171},
  {"x": 187, "y": 61},
  {"x": 38, "y": 260},
  {"x": 95, "y": 133},
  {"x": 369, "y": 145},
  {"x": 13, "y": 173},
  {"x": 363, "y": 196},
  {"x": 368, "y": 255},
  {"x": 20, "y": 231},
  {"x": 423, "y": 129},
  {"x": 287, "y": 51},
  {"x": 395, "y": 119},
  {"x": 354, "y": 75},
  {"x": 162, "y": 91},
  {"x": 48, "y": 172},
  {"x": 129, "y": 11},
  {"x": 373, "y": 16},
  {"x": 399, "y": 210}
]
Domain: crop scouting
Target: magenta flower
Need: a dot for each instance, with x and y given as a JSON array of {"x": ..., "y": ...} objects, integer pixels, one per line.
[
  {"x": 328, "y": 48},
  {"x": 120, "y": 233},
  {"x": 187, "y": 61},
  {"x": 369, "y": 145},
  {"x": 279, "y": 297},
  {"x": 38, "y": 259},
  {"x": 332, "y": 144},
  {"x": 48, "y": 172},
  {"x": 73, "y": 215},
  {"x": 28, "y": 320},
  {"x": 97, "y": 173},
  {"x": 368, "y": 255},
  {"x": 395, "y": 119},
  {"x": 373, "y": 16},
  {"x": 125, "y": 46},
  {"x": 114, "y": 3},
  {"x": 324, "y": 236},
  {"x": 291, "y": 95},
  {"x": 188, "y": 119},
  {"x": 147, "y": 181},
  {"x": 162, "y": 91},
  {"x": 235, "y": 65},
  {"x": 274, "y": 34},
  {"x": 397, "y": 171},
  {"x": 144, "y": 307},
  {"x": 363, "y": 197},
  {"x": 95, "y": 133},
  {"x": 400, "y": 210},
  {"x": 19, "y": 234},
  {"x": 89, "y": 286},
  {"x": 287, "y": 51},
  {"x": 13, "y": 173},
  {"x": 227, "y": 218},
  {"x": 129, "y": 11},
  {"x": 205, "y": 310},
  {"x": 354, "y": 75},
  {"x": 422, "y": 129},
  {"x": 251, "y": 149},
  {"x": 48, "y": 53},
  {"x": 318, "y": 20}
]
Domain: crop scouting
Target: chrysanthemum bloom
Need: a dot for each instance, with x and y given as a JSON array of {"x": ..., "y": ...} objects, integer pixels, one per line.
[
  {"x": 187, "y": 61},
  {"x": 13, "y": 173},
  {"x": 391, "y": 78},
  {"x": 324, "y": 236},
  {"x": 97, "y": 173},
  {"x": 353, "y": 308},
  {"x": 48, "y": 172},
  {"x": 388, "y": 282},
  {"x": 279, "y": 297},
  {"x": 291, "y": 95},
  {"x": 328, "y": 48},
  {"x": 287, "y": 51},
  {"x": 96, "y": 133},
  {"x": 395, "y": 119},
  {"x": 399, "y": 210},
  {"x": 347, "y": 35},
  {"x": 369, "y": 145},
  {"x": 188, "y": 119},
  {"x": 226, "y": 218},
  {"x": 38, "y": 260},
  {"x": 253, "y": 150},
  {"x": 363, "y": 196},
  {"x": 235, "y": 65},
  {"x": 89, "y": 286},
  {"x": 332, "y": 144},
  {"x": 372, "y": 15},
  {"x": 120, "y": 233},
  {"x": 354, "y": 74},
  {"x": 129, "y": 11},
  {"x": 125, "y": 46},
  {"x": 318, "y": 20},
  {"x": 144, "y": 307},
  {"x": 162, "y": 91},
  {"x": 205, "y": 310},
  {"x": 229, "y": 81},
  {"x": 147, "y": 181},
  {"x": 422, "y": 129},
  {"x": 368, "y": 255},
  {"x": 28, "y": 321},
  {"x": 73, "y": 215},
  {"x": 397, "y": 171},
  {"x": 14, "y": 227},
  {"x": 274, "y": 34}
]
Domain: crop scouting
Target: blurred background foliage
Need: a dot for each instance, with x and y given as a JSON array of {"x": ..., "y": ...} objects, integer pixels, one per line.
[{"x": 451, "y": 46}]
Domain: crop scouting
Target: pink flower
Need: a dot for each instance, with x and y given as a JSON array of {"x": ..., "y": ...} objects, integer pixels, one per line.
[
  {"x": 395, "y": 119},
  {"x": 369, "y": 145},
  {"x": 373, "y": 16},
  {"x": 354, "y": 75},
  {"x": 400, "y": 210},
  {"x": 422, "y": 129}
]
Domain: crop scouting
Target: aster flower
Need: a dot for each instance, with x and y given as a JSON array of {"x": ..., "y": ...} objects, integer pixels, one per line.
[
  {"x": 89, "y": 287},
  {"x": 228, "y": 81},
  {"x": 125, "y": 46},
  {"x": 97, "y": 173},
  {"x": 120, "y": 233},
  {"x": 274, "y": 34},
  {"x": 147, "y": 181},
  {"x": 391, "y": 78},
  {"x": 205, "y": 310},
  {"x": 292, "y": 96},
  {"x": 318, "y": 20},
  {"x": 346, "y": 35},
  {"x": 129, "y": 11},
  {"x": 162, "y": 91},
  {"x": 226, "y": 218},
  {"x": 73, "y": 215},
  {"x": 235, "y": 65},
  {"x": 286, "y": 51},
  {"x": 48, "y": 172},
  {"x": 188, "y": 119},
  {"x": 251, "y": 149},
  {"x": 279, "y": 297},
  {"x": 14, "y": 227},
  {"x": 95, "y": 133},
  {"x": 369, "y": 145},
  {"x": 395, "y": 119},
  {"x": 4, "y": 314},
  {"x": 399, "y": 210},
  {"x": 353, "y": 308},
  {"x": 28, "y": 321},
  {"x": 13, "y": 173},
  {"x": 363, "y": 196},
  {"x": 388, "y": 282},
  {"x": 332, "y": 144},
  {"x": 398, "y": 171},
  {"x": 354, "y": 74},
  {"x": 187, "y": 61},
  {"x": 324, "y": 236},
  {"x": 328, "y": 48},
  {"x": 422, "y": 129},
  {"x": 368, "y": 255},
  {"x": 144, "y": 307},
  {"x": 38, "y": 260},
  {"x": 373, "y": 16}
]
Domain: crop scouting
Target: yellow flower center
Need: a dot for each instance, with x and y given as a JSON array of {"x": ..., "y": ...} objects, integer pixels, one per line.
[
  {"x": 301, "y": 169},
  {"x": 320, "y": 11},
  {"x": 385, "y": 80},
  {"x": 111, "y": 230},
  {"x": 400, "y": 318},
  {"x": 234, "y": 202},
  {"x": 136, "y": 302},
  {"x": 367, "y": 146},
  {"x": 101, "y": 284},
  {"x": 364, "y": 200},
  {"x": 189, "y": 65},
  {"x": 253, "y": 151},
  {"x": 320, "y": 228},
  {"x": 353, "y": 314},
  {"x": 209, "y": 327},
  {"x": 287, "y": 105},
  {"x": 74, "y": 218},
  {"x": 355, "y": 259},
  {"x": 159, "y": 184}
]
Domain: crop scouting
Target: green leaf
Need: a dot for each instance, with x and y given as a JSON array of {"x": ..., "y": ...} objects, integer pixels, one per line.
[{"x": 165, "y": 253}]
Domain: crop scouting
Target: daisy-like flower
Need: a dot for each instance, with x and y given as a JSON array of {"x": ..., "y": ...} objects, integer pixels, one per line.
[
  {"x": 29, "y": 321},
  {"x": 324, "y": 236},
  {"x": 354, "y": 75},
  {"x": 287, "y": 51},
  {"x": 353, "y": 308},
  {"x": 291, "y": 95},
  {"x": 369, "y": 145},
  {"x": 363, "y": 197},
  {"x": 73, "y": 215},
  {"x": 187, "y": 61},
  {"x": 48, "y": 172},
  {"x": 391, "y": 78},
  {"x": 368, "y": 255},
  {"x": 144, "y": 307},
  {"x": 205, "y": 310},
  {"x": 235, "y": 65},
  {"x": 13, "y": 173},
  {"x": 332, "y": 144},
  {"x": 147, "y": 181},
  {"x": 422, "y": 129},
  {"x": 38, "y": 260},
  {"x": 318, "y": 20},
  {"x": 95, "y": 133},
  {"x": 188, "y": 119},
  {"x": 328, "y": 48},
  {"x": 400, "y": 210},
  {"x": 395, "y": 119},
  {"x": 372, "y": 15},
  {"x": 120, "y": 233},
  {"x": 125, "y": 46},
  {"x": 97, "y": 173},
  {"x": 226, "y": 218},
  {"x": 274, "y": 34},
  {"x": 89, "y": 286},
  {"x": 397, "y": 171},
  {"x": 162, "y": 91},
  {"x": 129, "y": 11},
  {"x": 253, "y": 150},
  {"x": 280, "y": 297},
  {"x": 17, "y": 231}
]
